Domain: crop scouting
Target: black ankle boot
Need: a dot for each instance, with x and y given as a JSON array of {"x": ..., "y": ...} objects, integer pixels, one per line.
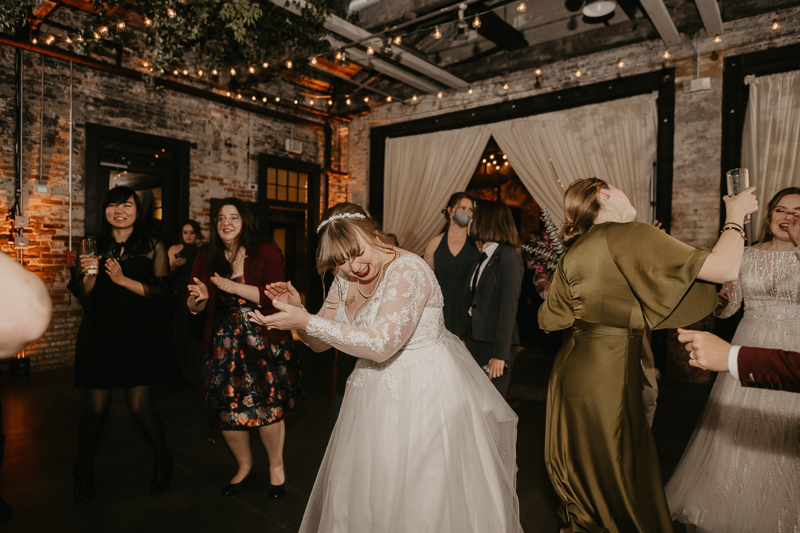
[
  {"x": 162, "y": 474},
  {"x": 83, "y": 475}
]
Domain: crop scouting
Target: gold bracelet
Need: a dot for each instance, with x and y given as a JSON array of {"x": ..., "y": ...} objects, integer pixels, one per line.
[{"x": 737, "y": 230}]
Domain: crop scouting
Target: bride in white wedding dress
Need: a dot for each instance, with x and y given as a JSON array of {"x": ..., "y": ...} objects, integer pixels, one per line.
[
  {"x": 423, "y": 442},
  {"x": 741, "y": 469}
]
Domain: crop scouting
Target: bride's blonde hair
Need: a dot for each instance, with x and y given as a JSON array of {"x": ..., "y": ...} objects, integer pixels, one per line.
[{"x": 340, "y": 227}]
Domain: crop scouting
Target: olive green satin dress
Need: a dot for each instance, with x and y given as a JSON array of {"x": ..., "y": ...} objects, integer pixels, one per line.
[{"x": 599, "y": 451}]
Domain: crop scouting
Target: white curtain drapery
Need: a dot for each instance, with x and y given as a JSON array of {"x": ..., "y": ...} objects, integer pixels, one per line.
[
  {"x": 771, "y": 142},
  {"x": 421, "y": 172},
  {"x": 615, "y": 141}
]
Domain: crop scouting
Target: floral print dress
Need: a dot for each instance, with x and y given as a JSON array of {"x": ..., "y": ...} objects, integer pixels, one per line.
[{"x": 251, "y": 379}]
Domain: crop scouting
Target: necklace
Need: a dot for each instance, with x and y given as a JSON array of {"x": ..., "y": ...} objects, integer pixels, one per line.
[
  {"x": 238, "y": 257},
  {"x": 375, "y": 288}
]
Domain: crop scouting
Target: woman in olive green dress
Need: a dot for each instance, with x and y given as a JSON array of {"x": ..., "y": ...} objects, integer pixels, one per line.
[{"x": 617, "y": 276}]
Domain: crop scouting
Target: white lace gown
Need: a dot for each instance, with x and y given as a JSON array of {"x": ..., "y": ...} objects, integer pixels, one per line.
[
  {"x": 423, "y": 442},
  {"x": 741, "y": 469}
]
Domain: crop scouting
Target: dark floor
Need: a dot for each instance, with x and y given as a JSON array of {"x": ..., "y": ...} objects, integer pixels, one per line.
[{"x": 41, "y": 414}]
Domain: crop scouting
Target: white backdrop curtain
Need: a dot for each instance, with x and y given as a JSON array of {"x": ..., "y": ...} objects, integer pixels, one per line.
[
  {"x": 771, "y": 142},
  {"x": 420, "y": 174},
  {"x": 615, "y": 141}
]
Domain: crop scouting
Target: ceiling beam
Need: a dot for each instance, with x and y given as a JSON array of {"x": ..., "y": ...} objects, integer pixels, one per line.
[
  {"x": 352, "y": 32},
  {"x": 661, "y": 19},
  {"x": 712, "y": 18},
  {"x": 496, "y": 29},
  {"x": 388, "y": 12}
]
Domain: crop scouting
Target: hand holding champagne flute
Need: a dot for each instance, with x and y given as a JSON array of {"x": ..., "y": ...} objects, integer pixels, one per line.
[
  {"x": 89, "y": 261},
  {"x": 738, "y": 180}
]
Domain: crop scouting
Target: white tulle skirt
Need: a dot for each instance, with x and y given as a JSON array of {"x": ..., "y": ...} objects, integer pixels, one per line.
[
  {"x": 741, "y": 470},
  {"x": 423, "y": 443}
]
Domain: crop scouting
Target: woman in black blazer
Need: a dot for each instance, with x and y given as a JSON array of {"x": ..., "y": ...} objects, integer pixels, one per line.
[{"x": 488, "y": 324}]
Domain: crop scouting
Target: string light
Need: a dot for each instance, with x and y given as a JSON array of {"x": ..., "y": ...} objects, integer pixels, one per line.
[
  {"x": 414, "y": 98},
  {"x": 228, "y": 93},
  {"x": 295, "y": 102},
  {"x": 313, "y": 60},
  {"x": 185, "y": 72},
  {"x": 343, "y": 59},
  {"x": 347, "y": 101},
  {"x": 238, "y": 96},
  {"x": 264, "y": 99},
  {"x": 145, "y": 64},
  {"x": 388, "y": 98},
  {"x": 437, "y": 34},
  {"x": 370, "y": 50},
  {"x": 538, "y": 72},
  {"x": 521, "y": 7},
  {"x": 68, "y": 40},
  {"x": 469, "y": 90},
  {"x": 96, "y": 36},
  {"x": 121, "y": 25},
  {"x": 578, "y": 73},
  {"x": 366, "y": 98},
  {"x": 103, "y": 29},
  {"x": 147, "y": 21},
  {"x": 50, "y": 40},
  {"x": 505, "y": 86},
  {"x": 233, "y": 72},
  {"x": 440, "y": 95},
  {"x": 175, "y": 72},
  {"x": 338, "y": 56},
  {"x": 80, "y": 38},
  {"x": 277, "y": 98},
  {"x": 491, "y": 156},
  {"x": 620, "y": 63},
  {"x": 666, "y": 54},
  {"x": 171, "y": 13},
  {"x": 506, "y": 163},
  {"x": 253, "y": 98},
  {"x": 199, "y": 72},
  {"x": 311, "y": 102},
  {"x": 252, "y": 70},
  {"x": 505, "y": 157},
  {"x": 717, "y": 39},
  {"x": 484, "y": 161},
  {"x": 476, "y": 22},
  {"x": 214, "y": 72},
  {"x": 35, "y": 40},
  {"x": 398, "y": 40},
  {"x": 775, "y": 25},
  {"x": 288, "y": 64}
]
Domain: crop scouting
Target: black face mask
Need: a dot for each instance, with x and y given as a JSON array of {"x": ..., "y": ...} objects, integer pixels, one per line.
[{"x": 461, "y": 218}]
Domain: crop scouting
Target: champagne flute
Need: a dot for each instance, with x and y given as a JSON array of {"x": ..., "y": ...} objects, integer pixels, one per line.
[
  {"x": 738, "y": 180},
  {"x": 89, "y": 247}
]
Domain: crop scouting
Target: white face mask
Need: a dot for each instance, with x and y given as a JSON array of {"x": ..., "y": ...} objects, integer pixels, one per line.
[{"x": 462, "y": 218}]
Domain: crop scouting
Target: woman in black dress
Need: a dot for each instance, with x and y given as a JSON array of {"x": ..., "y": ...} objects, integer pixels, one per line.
[
  {"x": 251, "y": 375},
  {"x": 187, "y": 331},
  {"x": 451, "y": 255},
  {"x": 120, "y": 341}
]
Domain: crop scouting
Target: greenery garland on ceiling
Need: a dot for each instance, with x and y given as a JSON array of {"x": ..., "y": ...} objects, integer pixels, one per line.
[{"x": 201, "y": 34}]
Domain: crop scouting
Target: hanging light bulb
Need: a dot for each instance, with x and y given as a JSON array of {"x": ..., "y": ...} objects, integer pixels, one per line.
[
  {"x": 121, "y": 25},
  {"x": 469, "y": 91},
  {"x": 398, "y": 40},
  {"x": 252, "y": 70},
  {"x": 388, "y": 98},
  {"x": 79, "y": 38},
  {"x": 295, "y": 102},
  {"x": 505, "y": 157},
  {"x": 666, "y": 54},
  {"x": 171, "y": 13},
  {"x": 620, "y": 63},
  {"x": 147, "y": 21},
  {"x": 233, "y": 72},
  {"x": 505, "y": 86},
  {"x": 437, "y": 34},
  {"x": 264, "y": 99},
  {"x": 96, "y": 36},
  {"x": 265, "y": 64},
  {"x": 175, "y": 72},
  {"x": 228, "y": 93},
  {"x": 238, "y": 96},
  {"x": 347, "y": 101},
  {"x": 343, "y": 59},
  {"x": 185, "y": 72},
  {"x": 199, "y": 72},
  {"x": 414, "y": 98},
  {"x": 440, "y": 95},
  {"x": 717, "y": 39},
  {"x": 288, "y": 64},
  {"x": 366, "y": 98},
  {"x": 330, "y": 102},
  {"x": 68, "y": 40},
  {"x": 311, "y": 102},
  {"x": 338, "y": 55},
  {"x": 145, "y": 64},
  {"x": 277, "y": 98},
  {"x": 491, "y": 156},
  {"x": 50, "y": 40},
  {"x": 476, "y": 22},
  {"x": 386, "y": 47},
  {"x": 214, "y": 72},
  {"x": 538, "y": 72},
  {"x": 521, "y": 7},
  {"x": 775, "y": 25},
  {"x": 253, "y": 98},
  {"x": 370, "y": 50},
  {"x": 578, "y": 73},
  {"x": 313, "y": 60}
]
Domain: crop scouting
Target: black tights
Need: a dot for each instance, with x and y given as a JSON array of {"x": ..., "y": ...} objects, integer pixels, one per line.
[{"x": 97, "y": 403}]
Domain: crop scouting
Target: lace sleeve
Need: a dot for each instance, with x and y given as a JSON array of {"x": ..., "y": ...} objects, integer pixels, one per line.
[
  {"x": 158, "y": 287},
  {"x": 407, "y": 288},
  {"x": 733, "y": 290}
]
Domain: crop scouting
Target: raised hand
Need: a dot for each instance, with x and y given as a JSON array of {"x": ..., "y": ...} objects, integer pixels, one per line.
[
  {"x": 283, "y": 292},
  {"x": 224, "y": 284},
  {"x": 198, "y": 293},
  {"x": 744, "y": 203},
  {"x": 288, "y": 317}
]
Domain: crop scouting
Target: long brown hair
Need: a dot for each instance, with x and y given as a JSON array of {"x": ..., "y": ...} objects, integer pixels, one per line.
[
  {"x": 581, "y": 207},
  {"x": 338, "y": 238},
  {"x": 493, "y": 222},
  {"x": 766, "y": 234},
  {"x": 248, "y": 238}
]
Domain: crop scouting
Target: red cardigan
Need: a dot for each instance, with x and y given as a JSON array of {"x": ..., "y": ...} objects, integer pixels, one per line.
[
  {"x": 769, "y": 369},
  {"x": 261, "y": 268}
]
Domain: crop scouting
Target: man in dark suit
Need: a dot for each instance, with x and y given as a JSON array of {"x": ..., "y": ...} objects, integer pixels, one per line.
[
  {"x": 754, "y": 367},
  {"x": 488, "y": 318}
]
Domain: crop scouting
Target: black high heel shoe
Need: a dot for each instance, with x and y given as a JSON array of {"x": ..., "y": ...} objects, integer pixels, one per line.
[
  {"x": 162, "y": 474},
  {"x": 277, "y": 491},
  {"x": 232, "y": 488},
  {"x": 83, "y": 487}
]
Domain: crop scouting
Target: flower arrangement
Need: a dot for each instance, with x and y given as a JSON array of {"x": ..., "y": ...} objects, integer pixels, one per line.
[{"x": 546, "y": 253}]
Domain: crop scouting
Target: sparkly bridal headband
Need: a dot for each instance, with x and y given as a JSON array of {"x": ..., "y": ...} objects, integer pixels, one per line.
[{"x": 337, "y": 217}]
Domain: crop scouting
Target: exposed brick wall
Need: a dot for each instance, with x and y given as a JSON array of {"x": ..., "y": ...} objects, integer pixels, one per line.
[
  {"x": 698, "y": 122},
  {"x": 219, "y": 164}
]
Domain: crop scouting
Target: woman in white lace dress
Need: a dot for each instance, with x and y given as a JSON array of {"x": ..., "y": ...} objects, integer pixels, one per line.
[
  {"x": 423, "y": 442},
  {"x": 741, "y": 469}
]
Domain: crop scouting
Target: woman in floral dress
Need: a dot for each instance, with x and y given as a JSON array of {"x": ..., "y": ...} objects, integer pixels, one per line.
[{"x": 251, "y": 375}]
